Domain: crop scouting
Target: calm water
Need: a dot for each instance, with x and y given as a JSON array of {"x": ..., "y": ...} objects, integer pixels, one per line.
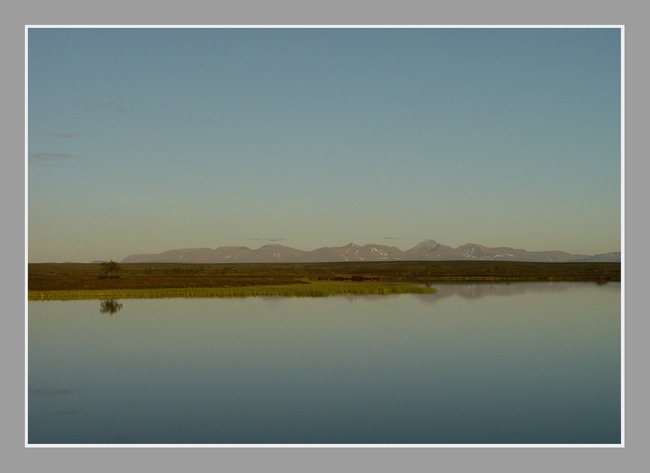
[{"x": 492, "y": 363}]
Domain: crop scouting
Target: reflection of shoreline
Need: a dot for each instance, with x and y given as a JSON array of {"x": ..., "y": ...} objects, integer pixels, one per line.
[{"x": 476, "y": 291}]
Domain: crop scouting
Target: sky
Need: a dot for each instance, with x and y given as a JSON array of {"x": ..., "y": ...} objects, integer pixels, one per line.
[{"x": 146, "y": 140}]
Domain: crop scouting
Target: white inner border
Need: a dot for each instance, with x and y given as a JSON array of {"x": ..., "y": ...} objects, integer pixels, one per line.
[{"x": 621, "y": 445}]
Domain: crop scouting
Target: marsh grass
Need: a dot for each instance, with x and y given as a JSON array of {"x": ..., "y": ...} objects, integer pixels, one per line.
[
  {"x": 309, "y": 289},
  {"x": 46, "y": 277}
]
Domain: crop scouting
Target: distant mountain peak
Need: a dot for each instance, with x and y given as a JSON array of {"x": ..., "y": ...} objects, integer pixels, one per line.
[
  {"x": 426, "y": 245},
  {"x": 426, "y": 250}
]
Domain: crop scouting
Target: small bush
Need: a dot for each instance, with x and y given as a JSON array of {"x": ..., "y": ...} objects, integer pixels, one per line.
[{"x": 110, "y": 269}]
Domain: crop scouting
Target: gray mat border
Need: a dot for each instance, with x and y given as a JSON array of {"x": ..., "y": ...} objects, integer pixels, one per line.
[{"x": 17, "y": 14}]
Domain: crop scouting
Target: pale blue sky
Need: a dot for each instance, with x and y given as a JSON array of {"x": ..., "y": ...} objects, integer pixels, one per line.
[{"x": 144, "y": 140}]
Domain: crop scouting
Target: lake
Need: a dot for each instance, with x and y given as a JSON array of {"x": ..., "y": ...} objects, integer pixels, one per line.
[{"x": 518, "y": 363}]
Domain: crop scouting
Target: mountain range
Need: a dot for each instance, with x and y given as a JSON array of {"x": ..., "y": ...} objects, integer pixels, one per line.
[{"x": 427, "y": 250}]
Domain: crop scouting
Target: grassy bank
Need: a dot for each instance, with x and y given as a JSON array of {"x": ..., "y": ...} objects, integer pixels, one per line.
[
  {"x": 310, "y": 289},
  {"x": 140, "y": 276}
]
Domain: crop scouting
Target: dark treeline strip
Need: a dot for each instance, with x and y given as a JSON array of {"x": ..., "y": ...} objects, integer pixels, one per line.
[{"x": 77, "y": 276}]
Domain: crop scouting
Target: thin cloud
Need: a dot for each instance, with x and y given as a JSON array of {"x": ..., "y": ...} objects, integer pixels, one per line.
[
  {"x": 80, "y": 102},
  {"x": 114, "y": 106},
  {"x": 266, "y": 239},
  {"x": 50, "y": 158},
  {"x": 62, "y": 135},
  {"x": 391, "y": 238},
  {"x": 109, "y": 105},
  {"x": 194, "y": 121}
]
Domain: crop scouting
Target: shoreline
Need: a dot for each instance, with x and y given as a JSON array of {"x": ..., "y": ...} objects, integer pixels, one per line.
[
  {"x": 64, "y": 281},
  {"x": 311, "y": 289}
]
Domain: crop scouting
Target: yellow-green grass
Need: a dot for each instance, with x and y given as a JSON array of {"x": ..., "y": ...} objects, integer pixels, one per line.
[{"x": 310, "y": 289}]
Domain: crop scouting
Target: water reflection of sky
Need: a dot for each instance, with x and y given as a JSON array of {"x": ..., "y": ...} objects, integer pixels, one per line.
[
  {"x": 542, "y": 365},
  {"x": 475, "y": 291}
]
